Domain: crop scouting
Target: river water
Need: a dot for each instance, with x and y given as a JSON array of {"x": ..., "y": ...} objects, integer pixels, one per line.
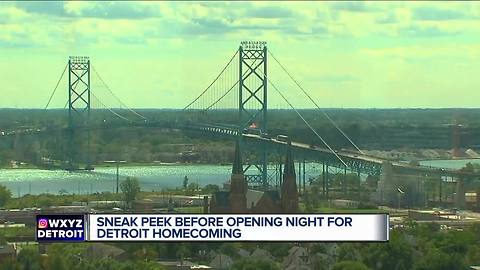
[
  {"x": 156, "y": 178},
  {"x": 35, "y": 181}
]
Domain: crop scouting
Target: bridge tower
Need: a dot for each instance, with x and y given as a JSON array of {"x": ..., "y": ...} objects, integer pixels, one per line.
[
  {"x": 252, "y": 100},
  {"x": 78, "y": 108}
]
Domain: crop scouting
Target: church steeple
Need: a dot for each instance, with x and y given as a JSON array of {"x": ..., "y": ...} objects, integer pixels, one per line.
[
  {"x": 289, "y": 168},
  {"x": 238, "y": 185},
  {"x": 289, "y": 198},
  {"x": 237, "y": 162}
]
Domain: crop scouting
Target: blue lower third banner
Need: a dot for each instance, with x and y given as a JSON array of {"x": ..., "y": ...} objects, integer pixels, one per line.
[
  {"x": 61, "y": 228},
  {"x": 238, "y": 227},
  {"x": 227, "y": 227}
]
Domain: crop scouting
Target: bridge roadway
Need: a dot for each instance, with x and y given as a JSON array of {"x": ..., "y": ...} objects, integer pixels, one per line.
[{"x": 356, "y": 162}]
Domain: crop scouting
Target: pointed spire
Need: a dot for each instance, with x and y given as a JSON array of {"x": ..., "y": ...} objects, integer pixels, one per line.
[
  {"x": 289, "y": 168},
  {"x": 237, "y": 162},
  {"x": 289, "y": 197}
]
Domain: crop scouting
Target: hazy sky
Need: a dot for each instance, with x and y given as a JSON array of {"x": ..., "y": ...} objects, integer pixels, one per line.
[{"x": 162, "y": 54}]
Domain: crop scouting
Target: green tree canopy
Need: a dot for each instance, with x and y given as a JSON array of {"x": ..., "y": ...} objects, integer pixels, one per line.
[
  {"x": 210, "y": 188},
  {"x": 439, "y": 260},
  {"x": 396, "y": 254},
  {"x": 130, "y": 188},
  {"x": 5, "y": 195},
  {"x": 249, "y": 264},
  {"x": 350, "y": 265},
  {"x": 185, "y": 182},
  {"x": 29, "y": 259}
]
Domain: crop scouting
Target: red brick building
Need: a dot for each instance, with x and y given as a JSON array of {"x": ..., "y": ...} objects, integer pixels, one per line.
[{"x": 240, "y": 199}]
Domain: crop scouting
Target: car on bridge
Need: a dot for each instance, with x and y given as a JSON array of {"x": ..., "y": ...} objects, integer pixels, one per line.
[
  {"x": 265, "y": 136},
  {"x": 283, "y": 138},
  {"x": 257, "y": 132},
  {"x": 253, "y": 131}
]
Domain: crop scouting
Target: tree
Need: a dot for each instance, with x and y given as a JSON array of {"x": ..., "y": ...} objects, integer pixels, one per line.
[
  {"x": 278, "y": 250},
  {"x": 349, "y": 252},
  {"x": 3, "y": 240},
  {"x": 229, "y": 248},
  {"x": 130, "y": 188},
  {"x": 29, "y": 259},
  {"x": 56, "y": 261},
  {"x": 249, "y": 264},
  {"x": 182, "y": 251},
  {"x": 473, "y": 255},
  {"x": 348, "y": 181},
  {"x": 396, "y": 254},
  {"x": 350, "y": 265},
  {"x": 5, "y": 195},
  {"x": 6, "y": 157},
  {"x": 438, "y": 260},
  {"x": 210, "y": 189},
  {"x": 312, "y": 198},
  {"x": 8, "y": 264},
  {"x": 371, "y": 182},
  {"x": 146, "y": 253},
  {"x": 185, "y": 182},
  {"x": 106, "y": 264},
  {"x": 192, "y": 187}
]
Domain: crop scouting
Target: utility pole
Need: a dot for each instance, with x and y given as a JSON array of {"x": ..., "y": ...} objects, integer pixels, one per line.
[{"x": 117, "y": 163}]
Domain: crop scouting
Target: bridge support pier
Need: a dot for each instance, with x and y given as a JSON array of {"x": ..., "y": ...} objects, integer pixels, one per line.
[
  {"x": 264, "y": 165},
  {"x": 460, "y": 202},
  {"x": 304, "y": 187},
  {"x": 359, "y": 186},
  {"x": 323, "y": 179},
  {"x": 327, "y": 182},
  {"x": 385, "y": 183},
  {"x": 440, "y": 190},
  {"x": 301, "y": 176},
  {"x": 299, "y": 182},
  {"x": 478, "y": 198}
]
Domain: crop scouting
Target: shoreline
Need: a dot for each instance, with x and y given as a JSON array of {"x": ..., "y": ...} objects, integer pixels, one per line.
[
  {"x": 133, "y": 164},
  {"x": 173, "y": 164}
]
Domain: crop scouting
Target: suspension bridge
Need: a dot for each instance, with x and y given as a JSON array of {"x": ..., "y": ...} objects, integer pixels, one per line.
[{"x": 242, "y": 90}]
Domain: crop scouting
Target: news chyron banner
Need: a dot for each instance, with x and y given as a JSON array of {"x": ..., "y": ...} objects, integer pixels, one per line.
[{"x": 227, "y": 227}]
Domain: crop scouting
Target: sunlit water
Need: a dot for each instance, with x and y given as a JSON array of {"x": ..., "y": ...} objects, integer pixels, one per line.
[
  {"x": 34, "y": 181},
  {"x": 156, "y": 178},
  {"x": 450, "y": 164}
]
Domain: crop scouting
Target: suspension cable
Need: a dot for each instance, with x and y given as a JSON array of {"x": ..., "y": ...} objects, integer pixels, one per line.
[
  {"x": 204, "y": 91},
  {"x": 218, "y": 100},
  {"x": 110, "y": 110},
  {"x": 56, "y": 86},
  {"x": 115, "y": 96},
  {"x": 314, "y": 102},
  {"x": 229, "y": 90},
  {"x": 303, "y": 119}
]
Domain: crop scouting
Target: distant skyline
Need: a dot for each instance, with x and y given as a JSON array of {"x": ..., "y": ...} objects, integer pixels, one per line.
[{"x": 163, "y": 54}]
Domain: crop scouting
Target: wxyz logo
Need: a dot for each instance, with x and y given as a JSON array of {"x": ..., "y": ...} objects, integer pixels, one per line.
[{"x": 65, "y": 223}]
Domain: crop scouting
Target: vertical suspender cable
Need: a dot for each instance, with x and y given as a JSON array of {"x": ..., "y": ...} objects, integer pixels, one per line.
[{"x": 318, "y": 107}]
